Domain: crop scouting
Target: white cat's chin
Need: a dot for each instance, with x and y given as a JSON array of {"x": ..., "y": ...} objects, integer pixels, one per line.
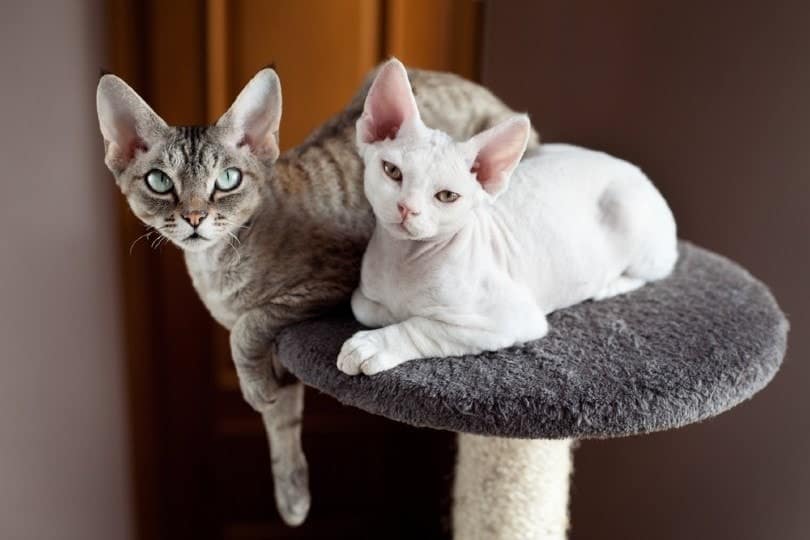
[{"x": 402, "y": 231}]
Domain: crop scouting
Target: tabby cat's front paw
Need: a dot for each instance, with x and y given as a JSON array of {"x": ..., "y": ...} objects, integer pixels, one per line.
[{"x": 364, "y": 353}]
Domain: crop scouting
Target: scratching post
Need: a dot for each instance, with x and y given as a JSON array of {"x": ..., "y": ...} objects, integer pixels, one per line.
[
  {"x": 671, "y": 353},
  {"x": 511, "y": 488}
]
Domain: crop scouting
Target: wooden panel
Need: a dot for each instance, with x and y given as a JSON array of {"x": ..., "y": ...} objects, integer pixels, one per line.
[
  {"x": 321, "y": 49},
  {"x": 218, "y": 46},
  {"x": 126, "y": 20},
  {"x": 434, "y": 34},
  {"x": 176, "y": 85},
  {"x": 156, "y": 47},
  {"x": 217, "y": 16}
]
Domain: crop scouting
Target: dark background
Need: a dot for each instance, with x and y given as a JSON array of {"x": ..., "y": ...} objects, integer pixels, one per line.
[
  {"x": 119, "y": 412},
  {"x": 712, "y": 100}
]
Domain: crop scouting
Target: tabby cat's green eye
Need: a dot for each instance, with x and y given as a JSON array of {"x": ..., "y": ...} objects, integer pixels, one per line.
[
  {"x": 159, "y": 182},
  {"x": 447, "y": 196},
  {"x": 229, "y": 179}
]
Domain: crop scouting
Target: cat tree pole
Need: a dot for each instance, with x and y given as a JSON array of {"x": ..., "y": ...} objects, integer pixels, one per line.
[
  {"x": 669, "y": 354},
  {"x": 511, "y": 488}
]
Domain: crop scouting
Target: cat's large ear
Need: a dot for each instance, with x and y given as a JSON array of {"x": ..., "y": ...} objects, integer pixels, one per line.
[
  {"x": 389, "y": 104},
  {"x": 127, "y": 123},
  {"x": 253, "y": 119},
  {"x": 498, "y": 151}
]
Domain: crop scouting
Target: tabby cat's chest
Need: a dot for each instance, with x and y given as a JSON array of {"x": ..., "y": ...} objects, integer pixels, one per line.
[{"x": 219, "y": 286}]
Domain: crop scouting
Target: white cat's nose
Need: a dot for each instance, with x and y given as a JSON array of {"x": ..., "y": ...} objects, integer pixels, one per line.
[{"x": 404, "y": 211}]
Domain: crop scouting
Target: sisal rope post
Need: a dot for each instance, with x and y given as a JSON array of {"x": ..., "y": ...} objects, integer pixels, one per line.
[{"x": 511, "y": 489}]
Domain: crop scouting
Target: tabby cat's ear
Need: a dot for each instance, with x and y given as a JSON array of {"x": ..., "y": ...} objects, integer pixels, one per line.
[
  {"x": 127, "y": 123},
  {"x": 253, "y": 119},
  {"x": 389, "y": 104},
  {"x": 498, "y": 151}
]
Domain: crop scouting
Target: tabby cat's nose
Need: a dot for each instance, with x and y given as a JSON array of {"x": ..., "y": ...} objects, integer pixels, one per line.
[{"x": 194, "y": 217}]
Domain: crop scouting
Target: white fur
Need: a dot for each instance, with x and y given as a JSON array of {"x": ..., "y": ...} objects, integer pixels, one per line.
[{"x": 482, "y": 273}]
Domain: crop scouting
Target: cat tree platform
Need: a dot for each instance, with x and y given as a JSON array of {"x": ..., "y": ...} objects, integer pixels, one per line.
[{"x": 669, "y": 354}]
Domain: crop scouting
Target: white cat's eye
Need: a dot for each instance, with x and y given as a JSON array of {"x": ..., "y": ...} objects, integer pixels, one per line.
[
  {"x": 229, "y": 179},
  {"x": 159, "y": 182},
  {"x": 392, "y": 171},
  {"x": 446, "y": 196}
]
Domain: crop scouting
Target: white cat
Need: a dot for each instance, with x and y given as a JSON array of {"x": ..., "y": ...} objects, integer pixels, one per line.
[{"x": 460, "y": 264}]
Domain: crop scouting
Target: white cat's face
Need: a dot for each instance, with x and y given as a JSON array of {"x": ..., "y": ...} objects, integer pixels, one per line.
[{"x": 421, "y": 184}]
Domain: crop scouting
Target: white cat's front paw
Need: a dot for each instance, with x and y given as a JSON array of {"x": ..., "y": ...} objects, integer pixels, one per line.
[{"x": 364, "y": 353}]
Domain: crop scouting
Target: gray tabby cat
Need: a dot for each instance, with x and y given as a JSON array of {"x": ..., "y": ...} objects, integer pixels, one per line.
[{"x": 268, "y": 241}]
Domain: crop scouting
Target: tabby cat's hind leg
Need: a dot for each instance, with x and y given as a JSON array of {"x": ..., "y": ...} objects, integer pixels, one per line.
[{"x": 282, "y": 421}]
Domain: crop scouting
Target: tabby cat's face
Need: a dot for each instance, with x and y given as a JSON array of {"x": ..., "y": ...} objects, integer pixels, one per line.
[{"x": 194, "y": 185}]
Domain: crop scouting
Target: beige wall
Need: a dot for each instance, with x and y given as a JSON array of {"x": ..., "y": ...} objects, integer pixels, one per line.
[{"x": 63, "y": 457}]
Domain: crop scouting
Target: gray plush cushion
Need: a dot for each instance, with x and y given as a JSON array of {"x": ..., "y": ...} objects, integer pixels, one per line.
[{"x": 671, "y": 353}]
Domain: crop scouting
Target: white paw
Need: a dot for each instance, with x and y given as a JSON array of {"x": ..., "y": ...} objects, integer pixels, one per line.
[{"x": 364, "y": 353}]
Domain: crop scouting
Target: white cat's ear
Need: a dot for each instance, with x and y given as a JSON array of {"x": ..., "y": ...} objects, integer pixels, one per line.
[
  {"x": 127, "y": 123},
  {"x": 389, "y": 104},
  {"x": 253, "y": 119},
  {"x": 498, "y": 151}
]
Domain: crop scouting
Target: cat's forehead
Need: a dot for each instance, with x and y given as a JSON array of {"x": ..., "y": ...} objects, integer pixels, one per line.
[
  {"x": 422, "y": 147},
  {"x": 441, "y": 158},
  {"x": 194, "y": 150}
]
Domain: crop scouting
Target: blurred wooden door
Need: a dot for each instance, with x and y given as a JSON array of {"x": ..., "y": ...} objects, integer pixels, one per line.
[{"x": 201, "y": 462}]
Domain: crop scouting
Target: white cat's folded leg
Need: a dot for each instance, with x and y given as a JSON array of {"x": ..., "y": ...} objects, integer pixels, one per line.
[
  {"x": 620, "y": 285},
  {"x": 368, "y": 312},
  {"x": 373, "y": 351}
]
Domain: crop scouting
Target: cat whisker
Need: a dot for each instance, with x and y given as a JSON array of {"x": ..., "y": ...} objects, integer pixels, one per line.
[
  {"x": 146, "y": 235},
  {"x": 234, "y": 237},
  {"x": 232, "y": 224},
  {"x": 157, "y": 241},
  {"x": 150, "y": 231},
  {"x": 234, "y": 248}
]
